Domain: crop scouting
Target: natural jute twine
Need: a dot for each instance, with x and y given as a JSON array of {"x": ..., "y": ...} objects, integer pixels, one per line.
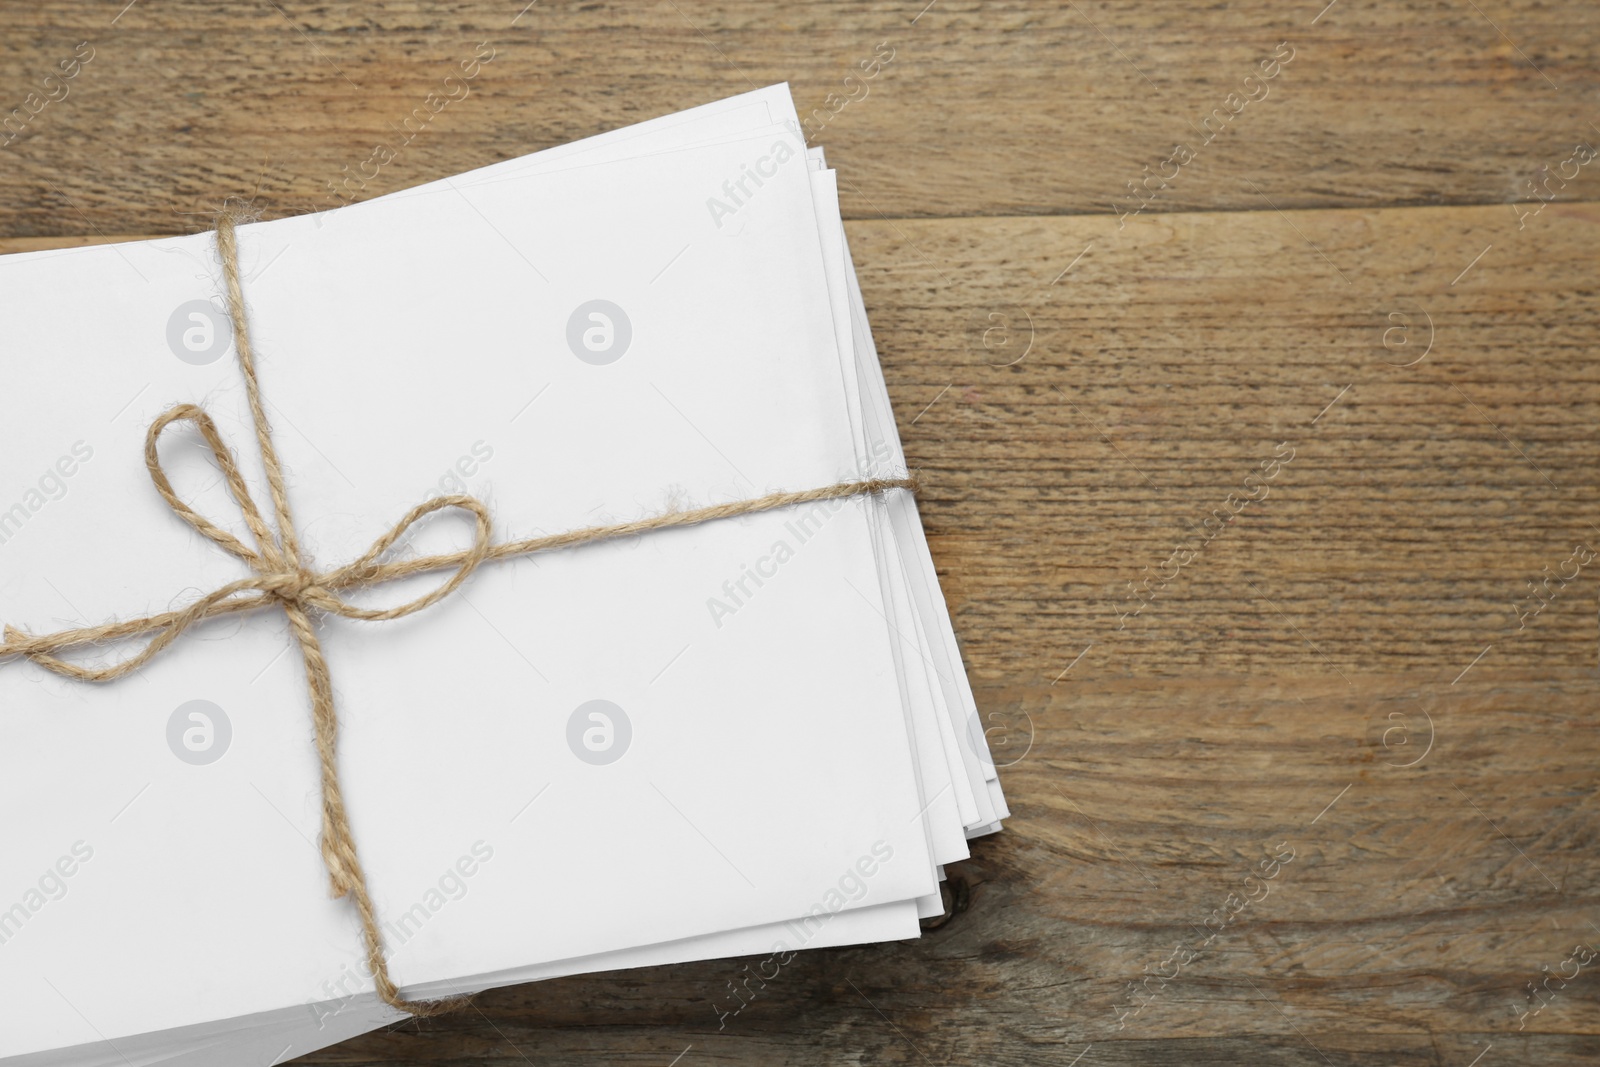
[{"x": 285, "y": 579}]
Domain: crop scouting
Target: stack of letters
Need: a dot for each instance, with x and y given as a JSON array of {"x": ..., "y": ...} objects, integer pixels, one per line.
[{"x": 744, "y": 737}]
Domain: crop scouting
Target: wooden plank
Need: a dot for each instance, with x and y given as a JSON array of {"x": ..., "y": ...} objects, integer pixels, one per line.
[
  {"x": 1008, "y": 108},
  {"x": 1071, "y": 495}
]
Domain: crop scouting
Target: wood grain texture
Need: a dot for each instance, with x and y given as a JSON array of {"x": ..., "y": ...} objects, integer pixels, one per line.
[
  {"x": 1180, "y": 353},
  {"x": 1008, "y": 108},
  {"x": 1345, "y": 285}
]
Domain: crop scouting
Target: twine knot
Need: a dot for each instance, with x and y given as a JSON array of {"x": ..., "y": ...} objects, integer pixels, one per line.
[{"x": 292, "y": 586}]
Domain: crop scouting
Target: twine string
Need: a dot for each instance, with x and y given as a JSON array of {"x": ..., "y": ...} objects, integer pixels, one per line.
[{"x": 282, "y": 579}]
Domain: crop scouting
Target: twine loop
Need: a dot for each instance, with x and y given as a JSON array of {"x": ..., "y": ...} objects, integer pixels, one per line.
[{"x": 282, "y": 577}]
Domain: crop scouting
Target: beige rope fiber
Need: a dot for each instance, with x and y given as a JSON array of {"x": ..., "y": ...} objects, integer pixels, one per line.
[{"x": 283, "y": 579}]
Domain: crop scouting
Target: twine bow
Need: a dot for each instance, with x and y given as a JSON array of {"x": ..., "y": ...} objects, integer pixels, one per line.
[{"x": 283, "y": 579}]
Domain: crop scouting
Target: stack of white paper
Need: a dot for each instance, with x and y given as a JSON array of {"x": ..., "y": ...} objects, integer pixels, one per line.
[{"x": 751, "y": 736}]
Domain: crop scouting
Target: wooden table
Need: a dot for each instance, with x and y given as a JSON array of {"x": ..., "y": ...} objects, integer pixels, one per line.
[{"x": 1371, "y": 673}]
